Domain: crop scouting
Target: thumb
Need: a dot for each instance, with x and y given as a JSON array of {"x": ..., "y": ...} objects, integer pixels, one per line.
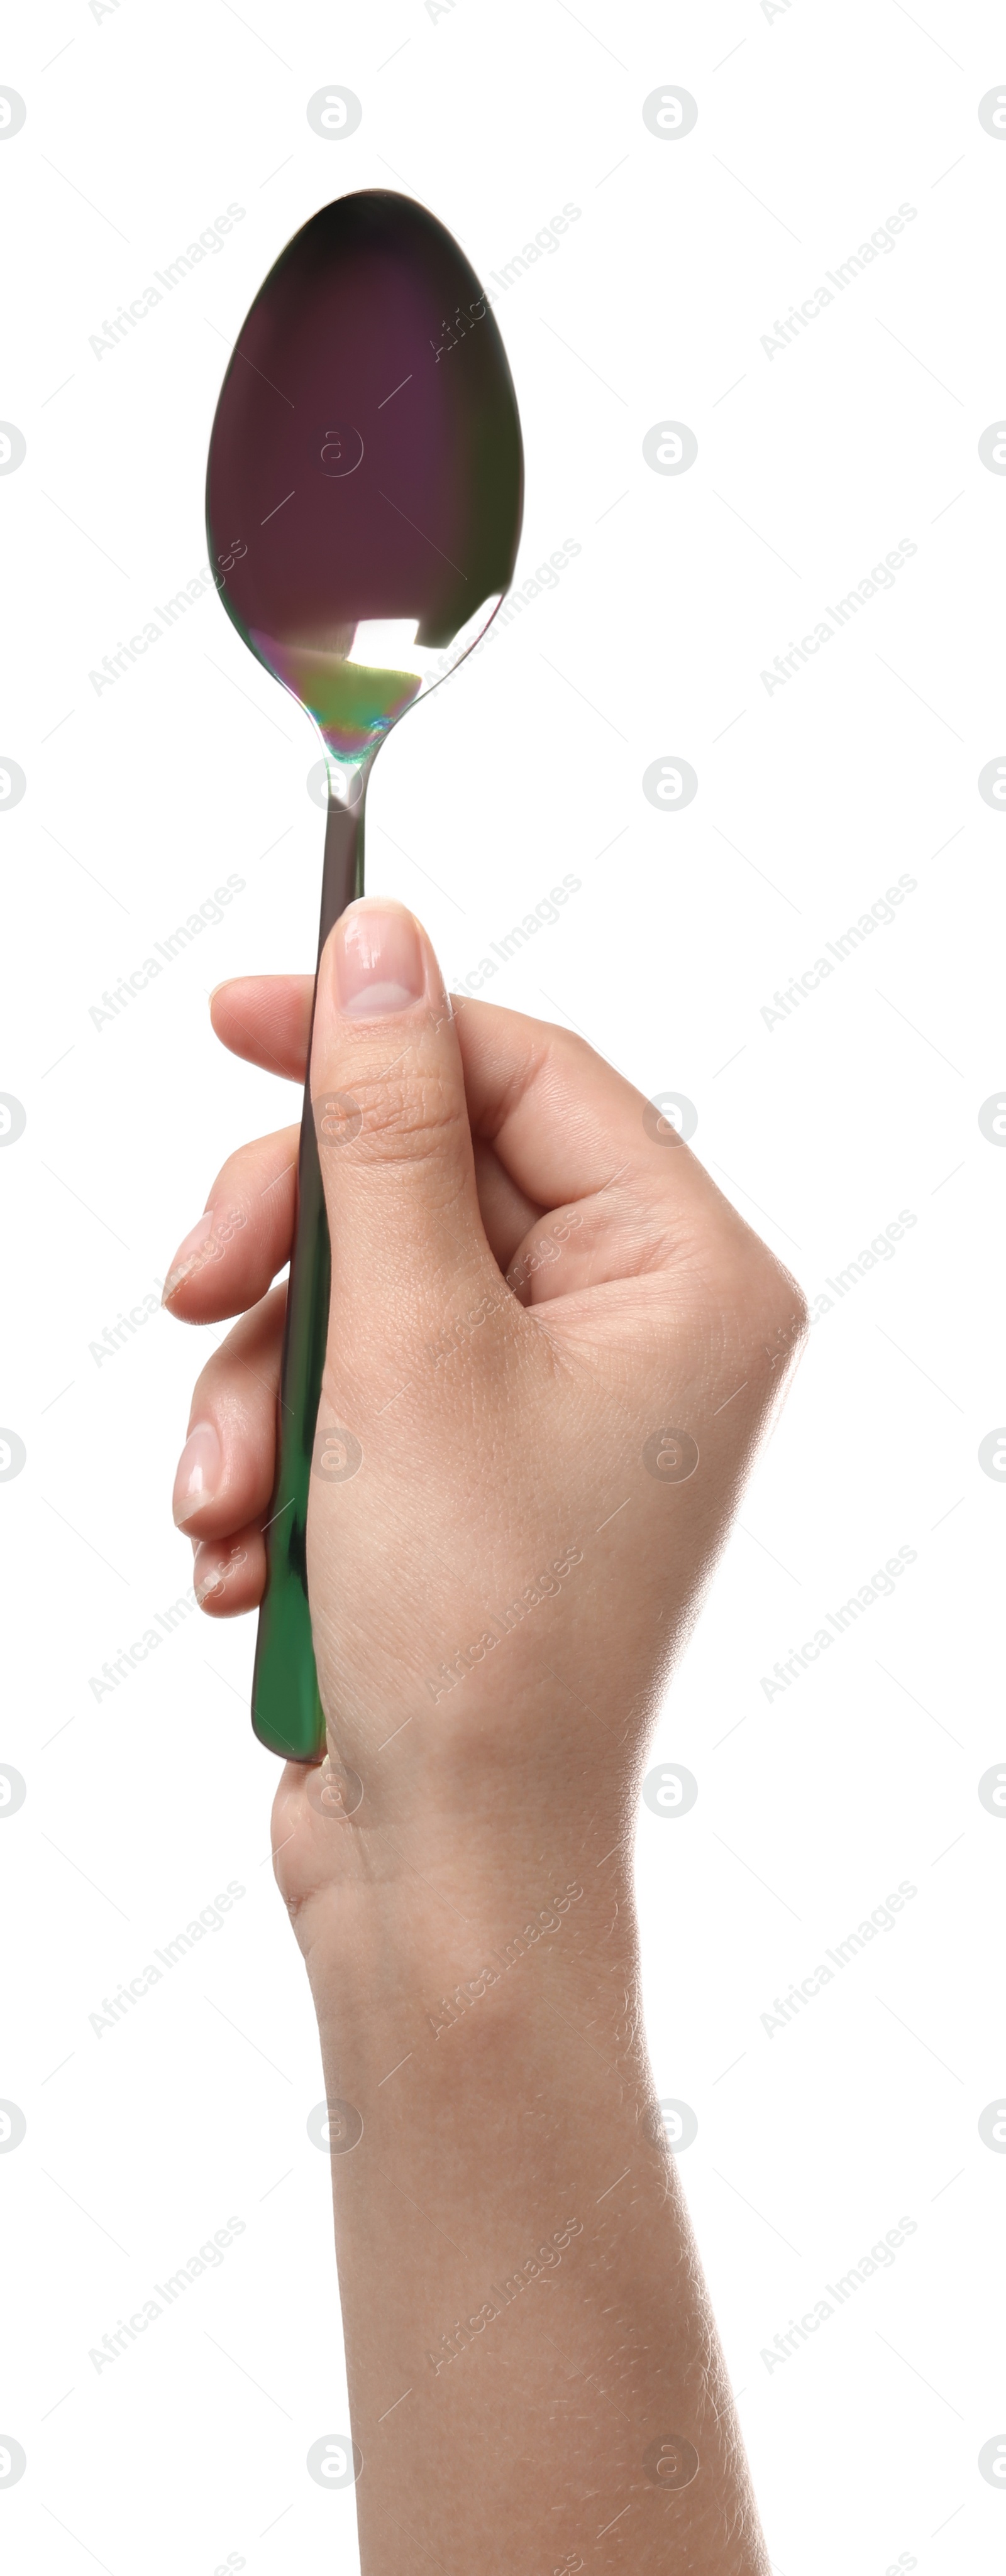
[{"x": 391, "y": 1119}]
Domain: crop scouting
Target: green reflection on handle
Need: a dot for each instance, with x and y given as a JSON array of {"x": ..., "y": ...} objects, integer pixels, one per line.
[{"x": 287, "y": 1714}]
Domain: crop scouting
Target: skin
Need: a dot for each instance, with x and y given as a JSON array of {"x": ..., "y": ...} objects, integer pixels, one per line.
[{"x": 530, "y": 1284}]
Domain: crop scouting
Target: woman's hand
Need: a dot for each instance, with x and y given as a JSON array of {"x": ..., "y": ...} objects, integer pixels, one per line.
[
  {"x": 553, "y": 1345},
  {"x": 552, "y": 1349}
]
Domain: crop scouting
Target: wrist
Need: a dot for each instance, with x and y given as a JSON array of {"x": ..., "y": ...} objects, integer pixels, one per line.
[{"x": 410, "y": 1945}]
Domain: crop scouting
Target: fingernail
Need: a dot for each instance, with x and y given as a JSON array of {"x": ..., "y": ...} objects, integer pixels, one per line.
[
  {"x": 378, "y": 961},
  {"x": 207, "y": 1574},
  {"x": 198, "y": 1474},
  {"x": 211, "y": 1572},
  {"x": 185, "y": 1257}
]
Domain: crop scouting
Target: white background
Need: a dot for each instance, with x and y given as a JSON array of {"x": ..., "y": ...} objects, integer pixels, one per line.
[{"x": 815, "y": 123}]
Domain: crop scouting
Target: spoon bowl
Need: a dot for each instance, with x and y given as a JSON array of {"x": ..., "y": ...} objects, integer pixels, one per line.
[
  {"x": 363, "y": 507},
  {"x": 366, "y": 447}
]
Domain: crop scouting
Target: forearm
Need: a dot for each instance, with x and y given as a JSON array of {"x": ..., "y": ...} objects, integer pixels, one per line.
[{"x": 524, "y": 2313}]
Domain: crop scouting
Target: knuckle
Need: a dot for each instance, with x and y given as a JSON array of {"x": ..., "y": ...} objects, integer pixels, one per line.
[
  {"x": 409, "y": 1119},
  {"x": 754, "y": 1295},
  {"x": 776, "y": 1310}
]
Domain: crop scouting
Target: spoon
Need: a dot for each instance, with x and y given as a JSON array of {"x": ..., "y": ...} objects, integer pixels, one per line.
[{"x": 363, "y": 506}]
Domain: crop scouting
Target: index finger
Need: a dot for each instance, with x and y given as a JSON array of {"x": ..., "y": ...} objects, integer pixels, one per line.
[
  {"x": 563, "y": 1123},
  {"x": 267, "y": 1020}
]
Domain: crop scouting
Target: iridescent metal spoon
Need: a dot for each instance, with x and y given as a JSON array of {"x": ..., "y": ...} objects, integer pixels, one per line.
[{"x": 363, "y": 507}]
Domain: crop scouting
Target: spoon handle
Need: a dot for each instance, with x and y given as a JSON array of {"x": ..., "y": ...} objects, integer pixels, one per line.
[{"x": 287, "y": 1714}]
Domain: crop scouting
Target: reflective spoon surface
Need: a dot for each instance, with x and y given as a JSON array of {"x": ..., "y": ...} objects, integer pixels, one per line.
[{"x": 363, "y": 507}]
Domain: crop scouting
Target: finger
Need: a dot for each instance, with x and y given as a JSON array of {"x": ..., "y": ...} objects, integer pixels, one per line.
[
  {"x": 565, "y": 1126},
  {"x": 394, "y": 1144},
  {"x": 266, "y": 1019},
  {"x": 226, "y": 1471},
  {"x": 507, "y": 1213},
  {"x": 229, "y": 1574},
  {"x": 235, "y": 1250}
]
